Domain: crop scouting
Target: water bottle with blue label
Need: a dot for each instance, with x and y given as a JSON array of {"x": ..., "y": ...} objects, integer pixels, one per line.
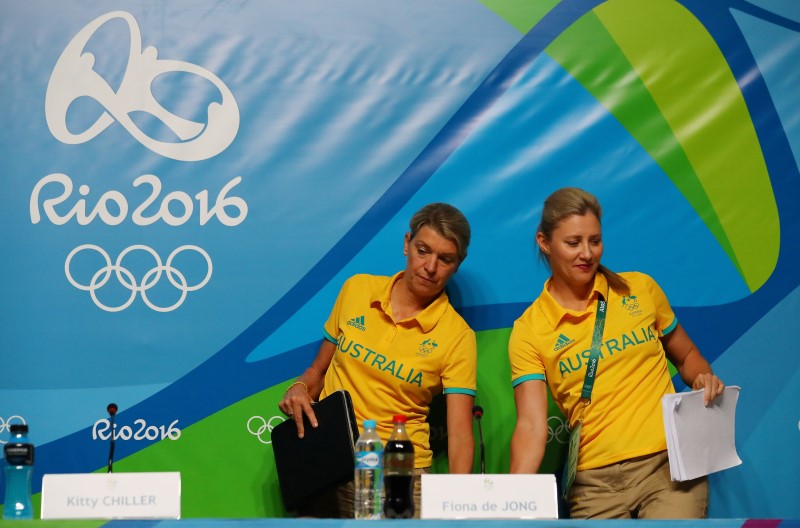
[
  {"x": 18, "y": 452},
  {"x": 369, "y": 473}
]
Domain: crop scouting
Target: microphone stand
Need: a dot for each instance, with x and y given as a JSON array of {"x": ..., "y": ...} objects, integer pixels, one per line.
[
  {"x": 477, "y": 412},
  {"x": 483, "y": 448},
  {"x": 112, "y": 411},
  {"x": 111, "y": 449}
]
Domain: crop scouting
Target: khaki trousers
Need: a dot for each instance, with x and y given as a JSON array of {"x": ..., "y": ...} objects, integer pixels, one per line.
[{"x": 638, "y": 488}]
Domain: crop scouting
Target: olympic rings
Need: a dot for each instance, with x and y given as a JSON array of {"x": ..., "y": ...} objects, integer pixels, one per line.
[
  {"x": 128, "y": 280},
  {"x": 265, "y": 426},
  {"x": 558, "y": 430},
  {"x": 5, "y": 425}
]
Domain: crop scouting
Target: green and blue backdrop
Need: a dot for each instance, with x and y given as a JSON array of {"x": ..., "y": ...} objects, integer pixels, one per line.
[{"x": 186, "y": 185}]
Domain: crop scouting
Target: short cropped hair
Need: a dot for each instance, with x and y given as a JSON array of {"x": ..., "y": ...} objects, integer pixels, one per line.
[{"x": 447, "y": 221}]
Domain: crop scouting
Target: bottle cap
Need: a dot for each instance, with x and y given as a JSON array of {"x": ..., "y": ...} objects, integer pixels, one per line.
[
  {"x": 399, "y": 418},
  {"x": 18, "y": 428},
  {"x": 370, "y": 424}
]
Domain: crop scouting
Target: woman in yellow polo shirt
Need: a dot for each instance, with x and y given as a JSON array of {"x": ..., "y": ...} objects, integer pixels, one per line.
[
  {"x": 395, "y": 342},
  {"x": 622, "y": 465}
]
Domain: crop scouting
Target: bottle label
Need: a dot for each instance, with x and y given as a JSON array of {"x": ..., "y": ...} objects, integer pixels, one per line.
[
  {"x": 368, "y": 460},
  {"x": 399, "y": 464},
  {"x": 19, "y": 454}
]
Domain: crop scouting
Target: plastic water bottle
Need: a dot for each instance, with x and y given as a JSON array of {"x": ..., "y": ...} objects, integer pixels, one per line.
[
  {"x": 369, "y": 465},
  {"x": 19, "y": 474},
  {"x": 398, "y": 472}
]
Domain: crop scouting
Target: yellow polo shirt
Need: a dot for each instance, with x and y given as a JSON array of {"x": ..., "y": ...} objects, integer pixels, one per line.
[
  {"x": 398, "y": 367},
  {"x": 624, "y": 419}
]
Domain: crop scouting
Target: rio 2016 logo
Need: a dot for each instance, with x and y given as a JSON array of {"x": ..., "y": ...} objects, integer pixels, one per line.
[
  {"x": 74, "y": 78},
  {"x": 118, "y": 212},
  {"x": 140, "y": 431}
]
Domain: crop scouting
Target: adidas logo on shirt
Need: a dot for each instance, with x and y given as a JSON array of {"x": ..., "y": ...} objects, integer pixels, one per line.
[
  {"x": 357, "y": 322},
  {"x": 562, "y": 342}
]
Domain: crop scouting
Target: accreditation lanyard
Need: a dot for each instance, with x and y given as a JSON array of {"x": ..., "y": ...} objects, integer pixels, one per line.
[
  {"x": 594, "y": 355},
  {"x": 571, "y": 465}
]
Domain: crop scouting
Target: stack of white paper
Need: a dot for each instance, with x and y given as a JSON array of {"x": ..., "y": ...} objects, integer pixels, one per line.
[{"x": 700, "y": 439}]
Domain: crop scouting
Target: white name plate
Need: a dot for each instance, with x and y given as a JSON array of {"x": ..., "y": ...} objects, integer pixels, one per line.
[
  {"x": 112, "y": 496},
  {"x": 489, "y": 497}
]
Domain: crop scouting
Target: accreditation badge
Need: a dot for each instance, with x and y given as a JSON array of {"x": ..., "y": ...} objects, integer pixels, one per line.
[{"x": 571, "y": 466}]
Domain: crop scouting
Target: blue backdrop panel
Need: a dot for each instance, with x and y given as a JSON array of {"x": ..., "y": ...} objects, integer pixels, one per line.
[{"x": 186, "y": 185}]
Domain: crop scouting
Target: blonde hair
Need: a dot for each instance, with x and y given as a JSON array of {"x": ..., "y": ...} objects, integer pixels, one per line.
[{"x": 564, "y": 203}]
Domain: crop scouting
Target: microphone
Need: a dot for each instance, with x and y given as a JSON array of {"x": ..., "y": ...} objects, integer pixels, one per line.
[
  {"x": 112, "y": 411},
  {"x": 477, "y": 413}
]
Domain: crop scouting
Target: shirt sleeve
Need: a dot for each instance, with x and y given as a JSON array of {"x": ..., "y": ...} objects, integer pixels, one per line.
[
  {"x": 526, "y": 363},
  {"x": 666, "y": 321},
  {"x": 459, "y": 374}
]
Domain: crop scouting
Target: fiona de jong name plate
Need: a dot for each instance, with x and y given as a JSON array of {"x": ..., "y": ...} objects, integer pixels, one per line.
[{"x": 489, "y": 497}]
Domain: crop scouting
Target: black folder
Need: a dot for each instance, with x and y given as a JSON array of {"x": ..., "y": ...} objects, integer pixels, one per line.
[{"x": 323, "y": 458}]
